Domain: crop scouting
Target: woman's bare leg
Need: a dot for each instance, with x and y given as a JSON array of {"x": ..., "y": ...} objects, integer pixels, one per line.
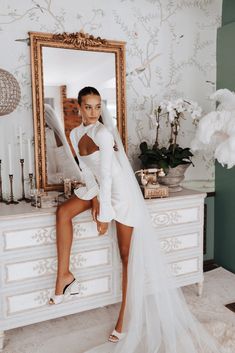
[
  {"x": 124, "y": 234},
  {"x": 64, "y": 236}
]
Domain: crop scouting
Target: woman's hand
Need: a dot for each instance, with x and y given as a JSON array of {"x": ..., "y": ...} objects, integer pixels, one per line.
[
  {"x": 102, "y": 227},
  {"x": 95, "y": 209}
]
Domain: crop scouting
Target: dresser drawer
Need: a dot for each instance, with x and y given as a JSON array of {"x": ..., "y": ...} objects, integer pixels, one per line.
[
  {"x": 15, "y": 271},
  {"x": 185, "y": 267},
  {"x": 38, "y": 299},
  {"x": 187, "y": 240},
  {"x": 172, "y": 217},
  {"x": 32, "y": 237}
]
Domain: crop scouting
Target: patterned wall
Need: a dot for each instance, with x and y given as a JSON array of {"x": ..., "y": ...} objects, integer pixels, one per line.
[{"x": 171, "y": 52}]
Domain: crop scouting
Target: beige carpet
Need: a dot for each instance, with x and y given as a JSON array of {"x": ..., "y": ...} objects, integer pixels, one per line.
[{"x": 77, "y": 333}]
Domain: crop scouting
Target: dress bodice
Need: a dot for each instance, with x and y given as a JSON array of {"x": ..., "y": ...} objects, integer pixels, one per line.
[
  {"x": 97, "y": 167},
  {"x": 92, "y": 161}
]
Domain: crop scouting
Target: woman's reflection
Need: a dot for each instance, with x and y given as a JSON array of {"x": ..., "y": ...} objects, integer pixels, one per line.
[{"x": 60, "y": 161}]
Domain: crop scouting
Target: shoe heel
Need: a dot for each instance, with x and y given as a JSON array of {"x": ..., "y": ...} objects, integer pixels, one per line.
[{"x": 73, "y": 288}]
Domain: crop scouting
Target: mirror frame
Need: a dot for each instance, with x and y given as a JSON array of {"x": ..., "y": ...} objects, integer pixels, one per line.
[{"x": 77, "y": 41}]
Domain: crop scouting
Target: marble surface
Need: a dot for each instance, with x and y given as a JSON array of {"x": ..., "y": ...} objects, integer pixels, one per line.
[
  {"x": 23, "y": 209},
  {"x": 199, "y": 185}
]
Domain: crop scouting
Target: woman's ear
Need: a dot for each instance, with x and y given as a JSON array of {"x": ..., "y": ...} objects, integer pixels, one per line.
[{"x": 79, "y": 107}]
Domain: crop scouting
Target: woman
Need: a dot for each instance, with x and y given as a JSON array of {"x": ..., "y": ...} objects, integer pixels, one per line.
[
  {"x": 154, "y": 317},
  {"x": 87, "y": 139}
]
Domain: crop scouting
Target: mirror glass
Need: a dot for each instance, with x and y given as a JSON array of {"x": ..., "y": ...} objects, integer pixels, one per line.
[{"x": 65, "y": 72}]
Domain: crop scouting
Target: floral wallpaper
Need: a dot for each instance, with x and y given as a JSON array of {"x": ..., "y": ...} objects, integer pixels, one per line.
[{"x": 171, "y": 53}]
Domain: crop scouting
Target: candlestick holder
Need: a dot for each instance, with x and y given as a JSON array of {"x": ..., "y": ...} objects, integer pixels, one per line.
[
  {"x": 11, "y": 201},
  {"x": 23, "y": 198},
  {"x": 1, "y": 195},
  {"x": 31, "y": 180}
]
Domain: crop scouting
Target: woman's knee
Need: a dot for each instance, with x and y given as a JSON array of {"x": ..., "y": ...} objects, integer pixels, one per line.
[
  {"x": 62, "y": 212},
  {"x": 124, "y": 254}
]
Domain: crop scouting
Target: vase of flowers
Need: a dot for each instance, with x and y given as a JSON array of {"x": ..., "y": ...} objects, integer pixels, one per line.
[{"x": 172, "y": 158}]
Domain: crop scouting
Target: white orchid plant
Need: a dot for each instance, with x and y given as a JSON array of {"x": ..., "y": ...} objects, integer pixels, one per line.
[{"x": 173, "y": 155}]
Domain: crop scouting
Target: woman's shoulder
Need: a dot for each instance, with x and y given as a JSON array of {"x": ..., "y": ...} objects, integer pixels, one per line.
[
  {"x": 102, "y": 131},
  {"x": 75, "y": 132}
]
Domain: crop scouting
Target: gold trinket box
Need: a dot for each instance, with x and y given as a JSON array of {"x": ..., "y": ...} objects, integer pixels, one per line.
[{"x": 153, "y": 192}]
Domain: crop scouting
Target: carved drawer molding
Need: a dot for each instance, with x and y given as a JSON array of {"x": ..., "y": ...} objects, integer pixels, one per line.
[
  {"x": 185, "y": 267},
  {"x": 180, "y": 242},
  {"x": 175, "y": 217},
  {"x": 32, "y": 237},
  {"x": 46, "y": 266},
  {"x": 21, "y": 303}
]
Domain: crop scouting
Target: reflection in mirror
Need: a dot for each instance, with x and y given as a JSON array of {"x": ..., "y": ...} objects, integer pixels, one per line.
[
  {"x": 65, "y": 72},
  {"x": 60, "y": 161}
]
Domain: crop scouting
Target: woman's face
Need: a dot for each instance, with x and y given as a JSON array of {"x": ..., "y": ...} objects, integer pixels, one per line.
[{"x": 90, "y": 109}]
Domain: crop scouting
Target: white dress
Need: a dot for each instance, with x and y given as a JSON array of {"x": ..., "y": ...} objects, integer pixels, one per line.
[
  {"x": 157, "y": 318},
  {"x": 103, "y": 175}
]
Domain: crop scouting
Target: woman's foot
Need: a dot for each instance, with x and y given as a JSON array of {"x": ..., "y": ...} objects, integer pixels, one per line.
[
  {"x": 65, "y": 286},
  {"x": 116, "y": 336},
  {"x": 62, "y": 281}
]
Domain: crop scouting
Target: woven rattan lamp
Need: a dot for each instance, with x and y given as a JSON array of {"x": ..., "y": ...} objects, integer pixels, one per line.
[{"x": 9, "y": 92}]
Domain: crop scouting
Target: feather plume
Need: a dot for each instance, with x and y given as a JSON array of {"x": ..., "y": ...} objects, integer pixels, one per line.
[
  {"x": 216, "y": 130},
  {"x": 225, "y": 98}
]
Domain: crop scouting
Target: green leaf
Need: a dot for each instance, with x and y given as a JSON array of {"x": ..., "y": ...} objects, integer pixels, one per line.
[
  {"x": 163, "y": 157},
  {"x": 143, "y": 146},
  {"x": 163, "y": 164}
]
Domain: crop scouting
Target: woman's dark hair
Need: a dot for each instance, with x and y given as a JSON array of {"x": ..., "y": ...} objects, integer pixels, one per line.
[{"x": 85, "y": 91}]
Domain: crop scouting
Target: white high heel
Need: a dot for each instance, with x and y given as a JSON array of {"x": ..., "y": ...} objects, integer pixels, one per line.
[
  {"x": 72, "y": 288},
  {"x": 118, "y": 336}
]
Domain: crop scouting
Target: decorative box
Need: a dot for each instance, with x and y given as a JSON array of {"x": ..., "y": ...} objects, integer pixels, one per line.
[
  {"x": 49, "y": 199},
  {"x": 151, "y": 192},
  {"x": 45, "y": 199}
]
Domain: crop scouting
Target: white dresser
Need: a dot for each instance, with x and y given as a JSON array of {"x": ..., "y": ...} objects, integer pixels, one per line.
[{"x": 28, "y": 257}]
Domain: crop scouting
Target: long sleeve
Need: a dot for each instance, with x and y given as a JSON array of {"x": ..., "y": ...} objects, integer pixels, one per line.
[
  {"x": 104, "y": 140},
  {"x": 91, "y": 188}
]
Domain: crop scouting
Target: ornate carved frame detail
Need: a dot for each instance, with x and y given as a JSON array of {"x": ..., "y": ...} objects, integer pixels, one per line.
[{"x": 79, "y": 41}]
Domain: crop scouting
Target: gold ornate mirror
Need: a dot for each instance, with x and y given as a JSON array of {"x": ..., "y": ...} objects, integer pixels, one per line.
[{"x": 61, "y": 65}]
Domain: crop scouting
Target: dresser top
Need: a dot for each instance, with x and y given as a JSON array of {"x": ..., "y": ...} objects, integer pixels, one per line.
[{"x": 23, "y": 209}]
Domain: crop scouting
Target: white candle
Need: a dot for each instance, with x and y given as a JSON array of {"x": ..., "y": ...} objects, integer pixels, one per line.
[
  {"x": 21, "y": 143},
  {"x": 10, "y": 159},
  {"x": 30, "y": 157}
]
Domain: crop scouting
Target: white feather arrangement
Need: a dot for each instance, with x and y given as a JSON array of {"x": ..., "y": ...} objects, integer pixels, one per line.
[{"x": 216, "y": 130}]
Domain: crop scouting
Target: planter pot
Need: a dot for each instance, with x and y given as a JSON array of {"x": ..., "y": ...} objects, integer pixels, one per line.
[{"x": 174, "y": 177}]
